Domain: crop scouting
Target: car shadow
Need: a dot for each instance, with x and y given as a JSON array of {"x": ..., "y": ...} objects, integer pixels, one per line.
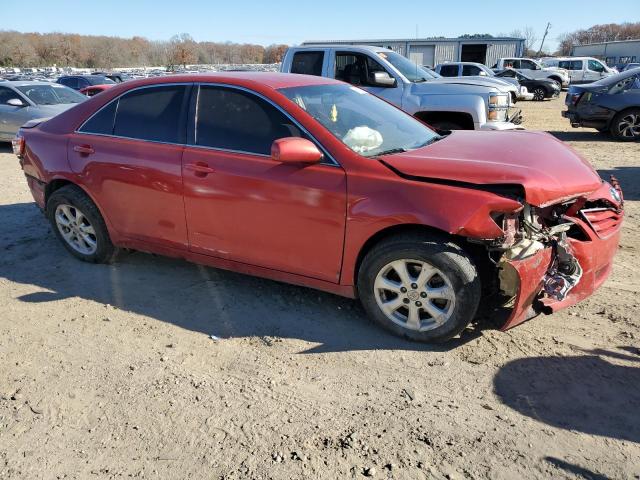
[
  {"x": 629, "y": 178},
  {"x": 193, "y": 297},
  {"x": 582, "y": 136},
  {"x": 575, "y": 469},
  {"x": 596, "y": 393}
]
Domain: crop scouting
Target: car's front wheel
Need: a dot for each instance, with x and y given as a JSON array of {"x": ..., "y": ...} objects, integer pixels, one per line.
[
  {"x": 78, "y": 224},
  {"x": 626, "y": 125},
  {"x": 418, "y": 288}
]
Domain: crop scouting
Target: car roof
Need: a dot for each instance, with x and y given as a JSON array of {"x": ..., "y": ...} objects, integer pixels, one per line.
[
  {"x": 24, "y": 83},
  {"x": 338, "y": 46},
  {"x": 270, "y": 79}
]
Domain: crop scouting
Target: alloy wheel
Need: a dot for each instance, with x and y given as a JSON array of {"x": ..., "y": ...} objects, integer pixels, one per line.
[
  {"x": 414, "y": 294},
  {"x": 76, "y": 229},
  {"x": 629, "y": 126},
  {"x": 538, "y": 94}
]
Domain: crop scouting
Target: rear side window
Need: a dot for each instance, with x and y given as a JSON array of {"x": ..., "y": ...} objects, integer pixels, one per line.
[
  {"x": 156, "y": 114},
  {"x": 102, "y": 122},
  {"x": 570, "y": 64},
  {"x": 232, "y": 119},
  {"x": 449, "y": 70},
  {"x": 307, "y": 63},
  {"x": 70, "y": 82}
]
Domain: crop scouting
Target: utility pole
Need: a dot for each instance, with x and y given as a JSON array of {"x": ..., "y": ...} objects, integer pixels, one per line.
[{"x": 546, "y": 30}]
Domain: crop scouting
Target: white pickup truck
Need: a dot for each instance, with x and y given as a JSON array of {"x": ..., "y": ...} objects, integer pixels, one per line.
[
  {"x": 443, "y": 103},
  {"x": 533, "y": 69}
]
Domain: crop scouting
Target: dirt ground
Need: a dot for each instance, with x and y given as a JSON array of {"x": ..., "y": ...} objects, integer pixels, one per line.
[{"x": 112, "y": 371}]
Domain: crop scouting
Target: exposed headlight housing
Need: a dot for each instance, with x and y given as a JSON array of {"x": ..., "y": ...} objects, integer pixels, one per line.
[{"x": 498, "y": 100}]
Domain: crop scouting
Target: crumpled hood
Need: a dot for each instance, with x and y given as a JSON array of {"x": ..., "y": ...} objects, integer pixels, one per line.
[{"x": 549, "y": 170}]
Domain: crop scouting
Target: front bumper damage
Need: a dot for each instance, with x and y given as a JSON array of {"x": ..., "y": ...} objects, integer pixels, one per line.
[{"x": 544, "y": 278}]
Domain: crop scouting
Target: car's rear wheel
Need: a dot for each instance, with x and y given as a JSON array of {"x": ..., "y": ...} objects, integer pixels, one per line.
[
  {"x": 418, "y": 288},
  {"x": 626, "y": 125},
  {"x": 539, "y": 93},
  {"x": 78, "y": 224}
]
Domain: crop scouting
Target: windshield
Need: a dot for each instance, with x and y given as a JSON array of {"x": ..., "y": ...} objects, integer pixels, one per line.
[
  {"x": 51, "y": 94},
  {"x": 412, "y": 71},
  {"x": 99, "y": 80},
  {"x": 364, "y": 123}
]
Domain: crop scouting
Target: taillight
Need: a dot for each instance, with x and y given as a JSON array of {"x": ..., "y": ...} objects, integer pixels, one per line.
[
  {"x": 18, "y": 146},
  {"x": 575, "y": 98}
]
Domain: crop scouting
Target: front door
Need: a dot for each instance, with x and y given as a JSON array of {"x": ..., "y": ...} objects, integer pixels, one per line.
[
  {"x": 12, "y": 117},
  {"x": 243, "y": 206},
  {"x": 131, "y": 162}
]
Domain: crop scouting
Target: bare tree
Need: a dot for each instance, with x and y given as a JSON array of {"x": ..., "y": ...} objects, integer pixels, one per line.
[{"x": 183, "y": 49}]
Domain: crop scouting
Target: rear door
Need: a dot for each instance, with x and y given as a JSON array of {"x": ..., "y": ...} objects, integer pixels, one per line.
[
  {"x": 243, "y": 206},
  {"x": 129, "y": 155}
]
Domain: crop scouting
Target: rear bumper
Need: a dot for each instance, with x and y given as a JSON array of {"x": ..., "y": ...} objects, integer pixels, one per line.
[
  {"x": 595, "y": 255},
  {"x": 577, "y": 121}
]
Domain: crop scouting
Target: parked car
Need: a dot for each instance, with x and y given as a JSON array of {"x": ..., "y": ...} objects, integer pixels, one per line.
[
  {"x": 312, "y": 181},
  {"x": 95, "y": 89},
  {"x": 78, "y": 82},
  {"x": 581, "y": 69},
  {"x": 24, "y": 101},
  {"x": 533, "y": 69},
  {"x": 608, "y": 105},
  {"x": 628, "y": 66},
  {"x": 465, "y": 104},
  {"x": 480, "y": 71},
  {"x": 117, "y": 77},
  {"x": 541, "y": 88}
]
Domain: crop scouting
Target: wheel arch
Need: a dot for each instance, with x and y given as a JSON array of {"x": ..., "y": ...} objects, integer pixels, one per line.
[
  {"x": 396, "y": 230},
  {"x": 464, "y": 119}
]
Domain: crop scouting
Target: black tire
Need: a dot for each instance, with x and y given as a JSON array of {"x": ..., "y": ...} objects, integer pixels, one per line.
[
  {"x": 620, "y": 119},
  {"x": 446, "y": 257},
  {"x": 514, "y": 98},
  {"x": 75, "y": 197},
  {"x": 539, "y": 94}
]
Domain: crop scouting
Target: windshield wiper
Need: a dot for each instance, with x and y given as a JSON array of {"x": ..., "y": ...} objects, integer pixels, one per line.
[{"x": 390, "y": 151}]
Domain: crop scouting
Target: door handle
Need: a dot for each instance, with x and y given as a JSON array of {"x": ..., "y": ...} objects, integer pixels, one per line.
[
  {"x": 84, "y": 149},
  {"x": 201, "y": 169}
]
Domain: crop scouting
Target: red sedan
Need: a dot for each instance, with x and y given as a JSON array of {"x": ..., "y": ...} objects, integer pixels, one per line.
[{"x": 314, "y": 182}]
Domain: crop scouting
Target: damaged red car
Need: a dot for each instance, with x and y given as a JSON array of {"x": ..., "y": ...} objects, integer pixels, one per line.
[{"x": 315, "y": 182}]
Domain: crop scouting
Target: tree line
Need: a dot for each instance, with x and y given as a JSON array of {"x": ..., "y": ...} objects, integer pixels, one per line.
[
  {"x": 598, "y": 33},
  {"x": 91, "y": 51}
]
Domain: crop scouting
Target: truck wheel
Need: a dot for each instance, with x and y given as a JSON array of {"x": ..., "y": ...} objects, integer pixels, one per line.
[
  {"x": 626, "y": 125},
  {"x": 78, "y": 224},
  {"x": 539, "y": 93},
  {"x": 420, "y": 289}
]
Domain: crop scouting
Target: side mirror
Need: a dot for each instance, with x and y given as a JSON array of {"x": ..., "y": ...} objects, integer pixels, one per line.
[
  {"x": 16, "y": 102},
  {"x": 382, "y": 79},
  {"x": 295, "y": 150}
]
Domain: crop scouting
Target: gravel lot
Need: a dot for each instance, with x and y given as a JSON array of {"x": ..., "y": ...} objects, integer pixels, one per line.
[{"x": 111, "y": 371}]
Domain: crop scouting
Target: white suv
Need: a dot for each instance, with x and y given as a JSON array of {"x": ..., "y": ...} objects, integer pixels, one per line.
[{"x": 581, "y": 69}]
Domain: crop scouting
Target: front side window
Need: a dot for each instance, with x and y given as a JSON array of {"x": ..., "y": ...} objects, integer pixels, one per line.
[
  {"x": 51, "y": 94},
  {"x": 528, "y": 65},
  {"x": 231, "y": 119},
  {"x": 307, "y": 63},
  {"x": 449, "y": 70},
  {"x": 356, "y": 68},
  {"x": 471, "y": 70},
  {"x": 7, "y": 94},
  {"x": 155, "y": 114},
  {"x": 595, "y": 66},
  {"x": 363, "y": 122}
]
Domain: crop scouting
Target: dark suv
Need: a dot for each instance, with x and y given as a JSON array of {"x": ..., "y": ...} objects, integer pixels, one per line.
[
  {"x": 608, "y": 105},
  {"x": 78, "y": 82}
]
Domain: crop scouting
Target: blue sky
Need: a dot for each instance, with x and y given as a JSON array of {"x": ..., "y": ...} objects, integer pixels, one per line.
[{"x": 287, "y": 21}]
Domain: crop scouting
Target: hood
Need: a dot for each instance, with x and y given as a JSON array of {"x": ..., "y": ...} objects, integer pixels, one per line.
[
  {"x": 548, "y": 170},
  {"x": 508, "y": 83},
  {"x": 458, "y": 85}
]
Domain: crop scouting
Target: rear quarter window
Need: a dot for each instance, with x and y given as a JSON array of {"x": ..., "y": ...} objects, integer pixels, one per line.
[{"x": 101, "y": 122}]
